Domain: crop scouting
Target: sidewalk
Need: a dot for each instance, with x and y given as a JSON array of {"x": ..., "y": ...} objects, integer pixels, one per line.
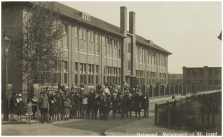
[{"x": 144, "y": 127}]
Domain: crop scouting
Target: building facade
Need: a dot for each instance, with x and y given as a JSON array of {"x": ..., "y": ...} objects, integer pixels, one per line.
[
  {"x": 202, "y": 76},
  {"x": 95, "y": 51}
]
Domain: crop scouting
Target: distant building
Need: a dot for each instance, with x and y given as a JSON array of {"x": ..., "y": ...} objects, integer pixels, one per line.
[
  {"x": 175, "y": 79},
  {"x": 202, "y": 75}
]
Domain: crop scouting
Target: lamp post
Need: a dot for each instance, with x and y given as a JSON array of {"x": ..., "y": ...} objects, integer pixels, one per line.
[{"x": 6, "y": 44}]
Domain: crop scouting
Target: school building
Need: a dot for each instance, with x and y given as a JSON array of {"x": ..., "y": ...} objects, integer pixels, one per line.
[{"x": 95, "y": 51}]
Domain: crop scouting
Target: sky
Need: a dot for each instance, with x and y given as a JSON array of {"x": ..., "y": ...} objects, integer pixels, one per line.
[{"x": 188, "y": 30}]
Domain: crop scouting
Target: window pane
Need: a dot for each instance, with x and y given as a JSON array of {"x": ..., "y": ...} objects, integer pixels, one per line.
[{"x": 80, "y": 33}]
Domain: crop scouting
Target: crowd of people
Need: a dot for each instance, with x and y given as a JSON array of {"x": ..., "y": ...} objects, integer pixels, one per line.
[{"x": 76, "y": 103}]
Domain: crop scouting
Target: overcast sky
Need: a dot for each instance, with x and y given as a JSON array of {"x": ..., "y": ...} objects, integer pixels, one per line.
[{"x": 188, "y": 30}]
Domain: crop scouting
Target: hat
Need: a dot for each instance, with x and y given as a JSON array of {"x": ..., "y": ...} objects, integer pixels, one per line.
[
  {"x": 19, "y": 95},
  {"x": 114, "y": 94}
]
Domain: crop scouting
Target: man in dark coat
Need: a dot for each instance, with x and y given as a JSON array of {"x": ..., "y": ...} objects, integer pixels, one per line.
[
  {"x": 137, "y": 104},
  {"x": 96, "y": 104},
  {"x": 90, "y": 104},
  {"x": 145, "y": 106},
  {"x": 59, "y": 105}
]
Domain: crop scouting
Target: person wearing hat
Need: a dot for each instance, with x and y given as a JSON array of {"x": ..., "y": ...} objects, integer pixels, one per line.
[
  {"x": 72, "y": 104},
  {"x": 20, "y": 106},
  {"x": 136, "y": 104},
  {"x": 123, "y": 105},
  {"x": 13, "y": 106},
  {"x": 96, "y": 104},
  {"x": 145, "y": 105},
  {"x": 90, "y": 103},
  {"x": 129, "y": 104},
  {"x": 114, "y": 107},
  {"x": 44, "y": 108}
]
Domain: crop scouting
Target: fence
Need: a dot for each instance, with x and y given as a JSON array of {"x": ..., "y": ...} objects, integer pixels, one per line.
[
  {"x": 188, "y": 111},
  {"x": 169, "y": 90}
]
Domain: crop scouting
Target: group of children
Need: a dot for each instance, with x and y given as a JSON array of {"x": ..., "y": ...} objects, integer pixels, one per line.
[{"x": 76, "y": 104}]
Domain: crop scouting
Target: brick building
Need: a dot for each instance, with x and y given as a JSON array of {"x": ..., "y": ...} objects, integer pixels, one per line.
[
  {"x": 202, "y": 76},
  {"x": 96, "y": 51}
]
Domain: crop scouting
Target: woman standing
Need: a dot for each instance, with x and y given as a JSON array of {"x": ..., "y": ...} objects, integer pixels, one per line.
[
  {"x": 20, "y": 106},
  {"x": 34, "y": 105},
  {"x": 13, "y": 106}
]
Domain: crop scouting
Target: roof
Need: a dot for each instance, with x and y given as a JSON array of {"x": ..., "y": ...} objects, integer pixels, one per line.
[
  {"x": 145, "y": 42},
  {"x": 99, "y": 24},
  {"x": 95, "y": 22}
]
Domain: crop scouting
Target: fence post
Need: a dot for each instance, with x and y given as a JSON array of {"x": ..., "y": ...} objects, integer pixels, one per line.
[
  {"x": 208, "y": 117},
  {"x": 213, "y": 115},
  {"x": 164, "y": 90},
  {"x": 156, "y": 105},
  {"x": 168, "y": 115}
]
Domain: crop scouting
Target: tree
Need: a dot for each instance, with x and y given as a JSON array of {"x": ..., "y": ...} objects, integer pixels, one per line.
[{"x": 38, "y": 50}]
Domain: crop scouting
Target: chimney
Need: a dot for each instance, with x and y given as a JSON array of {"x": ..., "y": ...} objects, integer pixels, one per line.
[
  {"x": 132, "y": 22},
  {"x": 123, "y": 19}
]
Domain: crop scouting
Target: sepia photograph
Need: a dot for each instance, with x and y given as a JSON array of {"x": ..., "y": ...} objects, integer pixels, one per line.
[{"x": 111, "y": 68}]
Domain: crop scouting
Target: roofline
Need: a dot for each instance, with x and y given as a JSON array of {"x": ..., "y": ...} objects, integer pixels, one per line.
[{"x": 169, "y": 53}]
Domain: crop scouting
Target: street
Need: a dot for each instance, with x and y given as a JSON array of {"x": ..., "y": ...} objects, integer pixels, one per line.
[{"x": 71, "y": 127}]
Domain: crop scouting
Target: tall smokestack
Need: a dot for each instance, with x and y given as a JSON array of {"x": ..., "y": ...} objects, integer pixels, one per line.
[
  {"x": 132, "y": 22},
  {"x": 123, "y": 19}
]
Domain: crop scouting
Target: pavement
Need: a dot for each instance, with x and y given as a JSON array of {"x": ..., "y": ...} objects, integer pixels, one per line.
[{"x": 144, "y": 126}]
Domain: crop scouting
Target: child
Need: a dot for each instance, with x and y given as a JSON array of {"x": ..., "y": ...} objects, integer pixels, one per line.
[
  {"x": 29, "y": 112},
  {"x": 67, "y": 105},
  {"x": 20, "y": 106}
]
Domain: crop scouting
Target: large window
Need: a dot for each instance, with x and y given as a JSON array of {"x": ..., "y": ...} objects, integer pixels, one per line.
[
  {"x": 108, "y": 47},
  {"x": 80, "y": 33},
  {"x": 119, "y": 49},
  {"x": 96, "y": 44},
  {"x": 76, "y": 67},
  {"x": 65, "y": 77}
]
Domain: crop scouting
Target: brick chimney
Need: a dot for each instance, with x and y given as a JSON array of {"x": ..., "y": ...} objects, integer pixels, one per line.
[
  {"x": 132, "y": 22},
  {"x": 133, "y": 48},
  {"x": 123, "y": 19}
]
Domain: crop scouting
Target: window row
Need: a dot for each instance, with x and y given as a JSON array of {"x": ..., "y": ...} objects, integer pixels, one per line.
[
  {"x": 112, "y": 71},
  {"x": 91, "y": 68},
  {"x": 111, "y": 47}
]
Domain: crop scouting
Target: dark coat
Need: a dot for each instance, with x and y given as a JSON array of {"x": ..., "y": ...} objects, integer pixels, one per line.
[
  {"x": 96, "y": 102},
  {"x": 145, "y": 103},
  {"x": 115, "y": 104},
  {"x": 20, "y": 105},
  {"x": 105, "y": 105},
  {"x": 59, "y": 103},
  {"x": 78, "y": 102},
  {"x": 73, "y": 107},
  {"x": 136, "y": 103},
  {"x": 12, "y": 105}
]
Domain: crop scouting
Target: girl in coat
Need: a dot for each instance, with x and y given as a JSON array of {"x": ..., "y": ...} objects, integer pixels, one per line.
[
  {"x": 67, "y": 105},
  {"x": 34, "y": 105},
  {"x": 20, "y": 106},
  {"x": 29, "y": 112}
]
